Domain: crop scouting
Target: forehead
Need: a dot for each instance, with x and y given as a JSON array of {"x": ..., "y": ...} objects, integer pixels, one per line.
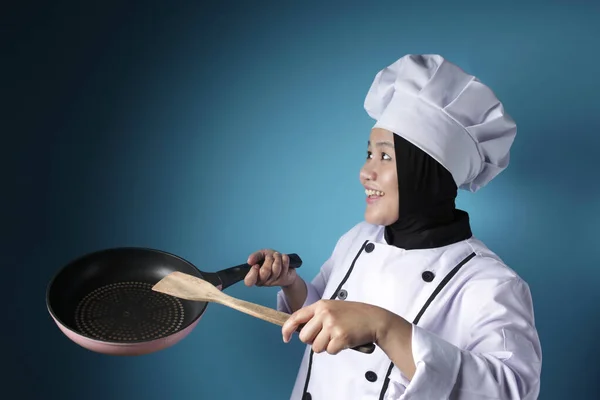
[{"x": 381, "y": 138}]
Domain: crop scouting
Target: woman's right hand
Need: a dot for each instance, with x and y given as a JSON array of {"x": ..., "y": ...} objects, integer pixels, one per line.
[{"x": 274, "y": 270}]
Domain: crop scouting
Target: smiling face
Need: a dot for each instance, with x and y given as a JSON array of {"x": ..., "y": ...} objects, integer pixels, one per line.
[{"x": 379, "y": 176}]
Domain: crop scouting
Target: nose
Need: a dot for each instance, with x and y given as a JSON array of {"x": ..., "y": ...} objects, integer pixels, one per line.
[{"x": 367, "y": 173}]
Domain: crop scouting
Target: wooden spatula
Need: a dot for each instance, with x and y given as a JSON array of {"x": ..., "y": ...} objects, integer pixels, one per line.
[{"x": 184, "y": 286}]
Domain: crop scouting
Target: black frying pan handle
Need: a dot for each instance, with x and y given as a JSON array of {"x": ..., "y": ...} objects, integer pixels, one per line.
[
  {"x": 295, "y": 260},
  {"x": 233, "y": 275},
  {"x": 366, "y": 348}
]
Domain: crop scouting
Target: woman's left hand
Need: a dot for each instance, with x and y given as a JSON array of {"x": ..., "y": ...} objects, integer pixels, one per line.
[{"x": 333, "y": 325}]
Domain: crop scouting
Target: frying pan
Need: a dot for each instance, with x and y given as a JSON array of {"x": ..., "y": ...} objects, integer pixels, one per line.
[{"x": 104, "y": 302}]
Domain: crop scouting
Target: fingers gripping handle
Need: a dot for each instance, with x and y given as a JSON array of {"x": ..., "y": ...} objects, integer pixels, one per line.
[
  {"x": 280, "y": 318},
  {"x": 233, "y": 275},
  {"x": 295, "y": 261},
  {"x": 366, "y": 348}
]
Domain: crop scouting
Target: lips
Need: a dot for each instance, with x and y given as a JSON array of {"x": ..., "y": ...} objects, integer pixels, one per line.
[{"x": 373, "y": 195}]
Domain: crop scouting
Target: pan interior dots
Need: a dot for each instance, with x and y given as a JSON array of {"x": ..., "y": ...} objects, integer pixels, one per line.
[{"x": 128, "y": 312}]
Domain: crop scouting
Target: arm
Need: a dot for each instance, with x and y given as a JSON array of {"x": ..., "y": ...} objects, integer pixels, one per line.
[
  {"x": 395, "y": 339},
  {"x": 301, "y": 293},
  {"x": 295, "y": 294},
  {"x": 502, "y": 359}
]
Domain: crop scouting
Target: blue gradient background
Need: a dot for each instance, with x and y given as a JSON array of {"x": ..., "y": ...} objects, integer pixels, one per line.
[{"x": 211, "y": 130}]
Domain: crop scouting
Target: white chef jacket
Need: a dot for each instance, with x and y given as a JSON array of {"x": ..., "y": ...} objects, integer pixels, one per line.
[{"x": 474, "y": 337}]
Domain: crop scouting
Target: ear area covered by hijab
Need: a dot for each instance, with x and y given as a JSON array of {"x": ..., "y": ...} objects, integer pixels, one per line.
[{"x": 427, "y": 217}]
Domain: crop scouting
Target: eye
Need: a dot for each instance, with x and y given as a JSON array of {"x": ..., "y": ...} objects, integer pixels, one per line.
[
  {"x": 385, "y": 156},
  {"x": 369, "y": 154}
]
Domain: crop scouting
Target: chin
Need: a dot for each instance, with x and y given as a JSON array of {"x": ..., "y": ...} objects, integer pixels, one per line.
[{"x": 376, "y": 219}]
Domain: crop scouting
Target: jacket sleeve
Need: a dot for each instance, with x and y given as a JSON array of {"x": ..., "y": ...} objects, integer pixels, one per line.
[{"x": 501, "y": 359}]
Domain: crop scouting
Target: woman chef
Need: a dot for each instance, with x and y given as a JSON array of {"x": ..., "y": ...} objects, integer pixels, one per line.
[{"x": 449, "y": 318}]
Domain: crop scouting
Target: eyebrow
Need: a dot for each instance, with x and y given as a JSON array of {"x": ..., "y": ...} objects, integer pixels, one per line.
[{"x": 382, "y": 144}]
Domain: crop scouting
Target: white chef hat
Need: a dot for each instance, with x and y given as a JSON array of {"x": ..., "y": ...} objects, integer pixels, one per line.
[{"x": 445, "y": 112}]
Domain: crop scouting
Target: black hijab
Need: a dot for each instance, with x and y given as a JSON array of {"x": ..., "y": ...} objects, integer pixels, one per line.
[{"x": 427, "y": 192}]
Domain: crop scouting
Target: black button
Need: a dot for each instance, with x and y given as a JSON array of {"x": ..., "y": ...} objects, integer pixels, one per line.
[
  {"x": 306, "y": 396},
  {"x": 343, "y": 294},
  {"x": 428, "y": 276},
  {"x": 370, "y": 247},
  {"x": 371, "y": 376}
]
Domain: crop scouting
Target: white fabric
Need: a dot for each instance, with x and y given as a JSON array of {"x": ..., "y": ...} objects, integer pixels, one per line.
[
  {"x": 477, "y": 340},
  {"x": 447, "y": 113}
]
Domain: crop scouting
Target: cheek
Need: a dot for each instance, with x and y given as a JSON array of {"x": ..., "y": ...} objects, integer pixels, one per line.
[
  {"x": 390, "y": 184},
  {"x": 391, "y": 206},
  {"x": 391, "y": 194}
]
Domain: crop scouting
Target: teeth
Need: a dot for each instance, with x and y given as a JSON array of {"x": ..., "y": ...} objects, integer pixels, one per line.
[{"x": 369, "y": 192}]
